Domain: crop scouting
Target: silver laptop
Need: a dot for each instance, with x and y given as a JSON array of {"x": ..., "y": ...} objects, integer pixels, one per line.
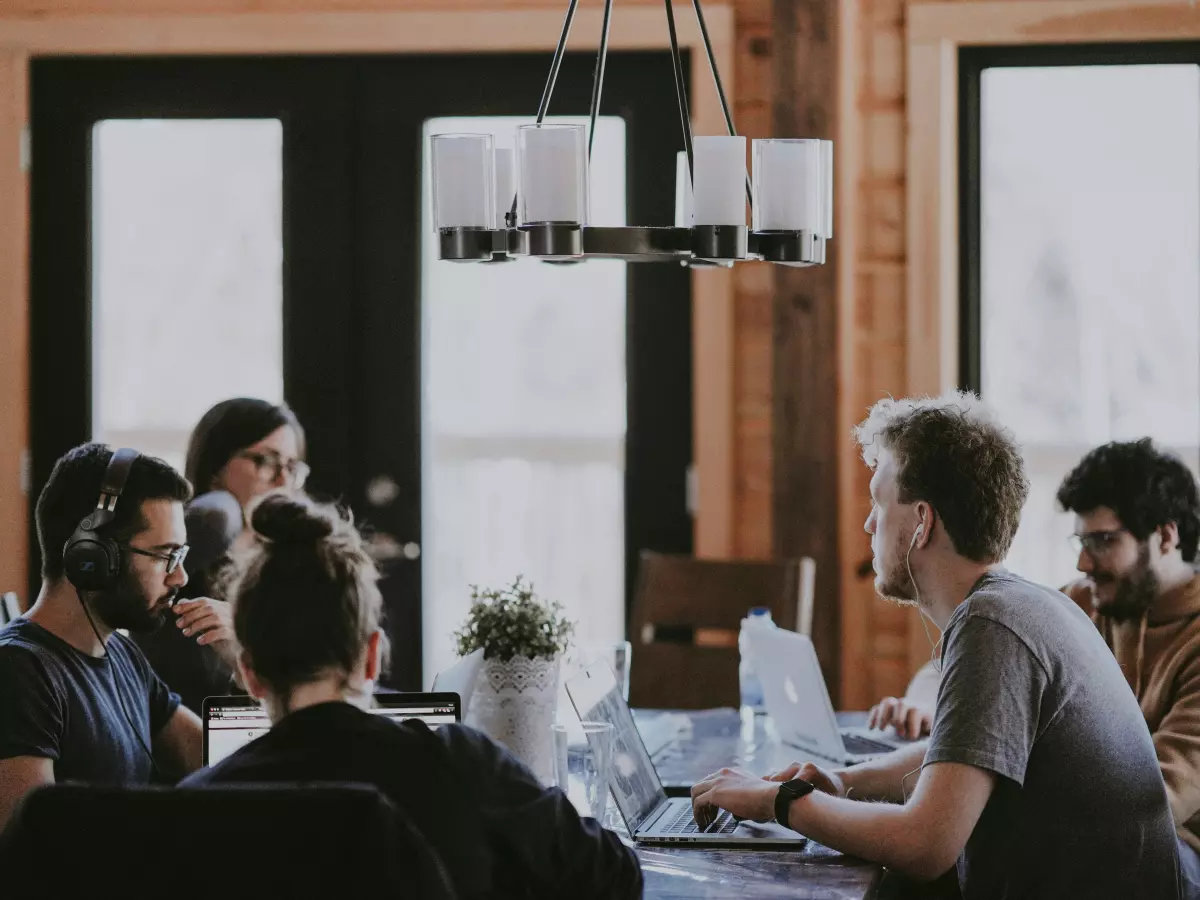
[
  {"x": 650, "y": 817},
  {"x": 798, "y": 701},
  {"x": 232, "y": 722}
]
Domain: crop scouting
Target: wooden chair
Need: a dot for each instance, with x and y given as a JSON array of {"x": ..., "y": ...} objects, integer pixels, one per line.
[{"x": 687, "y": 614}]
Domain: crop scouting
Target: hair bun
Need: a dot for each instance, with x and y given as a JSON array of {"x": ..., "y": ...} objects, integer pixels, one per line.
[{"x": 292, "y": 519}]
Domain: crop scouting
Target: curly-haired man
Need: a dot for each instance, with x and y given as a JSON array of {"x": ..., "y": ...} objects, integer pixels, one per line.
[{"x": 1040, "y": 778}]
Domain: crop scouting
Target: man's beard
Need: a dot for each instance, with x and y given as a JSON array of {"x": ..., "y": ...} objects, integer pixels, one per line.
[
  {"x": 898, "y": 586},
  {"x": 124, "y": 605},
  {"x": 1136, "y": 590}
]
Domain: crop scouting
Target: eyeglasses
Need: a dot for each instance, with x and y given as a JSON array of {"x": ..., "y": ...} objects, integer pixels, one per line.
[
  {"x": 174, "y": 559},
  {"x": 271, "y": 466},
  {"x": 1096, "y": 543}
]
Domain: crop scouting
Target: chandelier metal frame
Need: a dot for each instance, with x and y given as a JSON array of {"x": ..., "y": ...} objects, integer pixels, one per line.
[{"x": 698, "y": 245}]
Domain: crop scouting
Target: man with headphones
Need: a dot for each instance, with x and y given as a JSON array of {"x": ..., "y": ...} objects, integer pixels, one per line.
[
  {"x": 1040, "y": 778},
  {"x": 79, "y": 700}
]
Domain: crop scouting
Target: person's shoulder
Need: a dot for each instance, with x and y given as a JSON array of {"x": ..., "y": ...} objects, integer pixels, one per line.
[
  {"x": 214, "y": 520},
  {"x": 22, "y": 643},
  {"x": 1004, "y": 597}
]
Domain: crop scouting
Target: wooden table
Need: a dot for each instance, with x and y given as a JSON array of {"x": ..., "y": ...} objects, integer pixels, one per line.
[{"x": 714, "y": 738}]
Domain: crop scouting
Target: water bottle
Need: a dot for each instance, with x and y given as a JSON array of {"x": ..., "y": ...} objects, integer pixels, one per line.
[{"x": 751, "y": 686}]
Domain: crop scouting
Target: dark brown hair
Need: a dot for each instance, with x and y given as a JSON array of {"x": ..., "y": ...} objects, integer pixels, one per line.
[
  {"x": 1145, "y": 486},
  {"x": 73, "y": 488},
  {"x": 305, "y": 599},
  {"x": 953, "y": 453},
  {"x": 228, "y": 428}
]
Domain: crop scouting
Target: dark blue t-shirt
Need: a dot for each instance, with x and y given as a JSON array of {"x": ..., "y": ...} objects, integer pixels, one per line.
[{"x": 58, "y": 703}]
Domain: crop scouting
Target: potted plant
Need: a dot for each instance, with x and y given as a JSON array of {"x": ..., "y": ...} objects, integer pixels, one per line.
[{"x": 523, "y": 638}]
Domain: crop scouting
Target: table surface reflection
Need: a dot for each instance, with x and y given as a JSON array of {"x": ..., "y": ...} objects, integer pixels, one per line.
[{"x": 710, "y": 739}]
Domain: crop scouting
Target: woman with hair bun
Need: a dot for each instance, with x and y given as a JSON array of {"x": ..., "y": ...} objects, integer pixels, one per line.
[{"x": 306, "y": 611}]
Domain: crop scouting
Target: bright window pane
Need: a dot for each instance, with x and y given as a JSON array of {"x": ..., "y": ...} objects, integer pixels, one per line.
[
  {"x": 1090, "y": 276},
  {"x": 187, "y": 274},
  {"x": 523, "y": 410}
]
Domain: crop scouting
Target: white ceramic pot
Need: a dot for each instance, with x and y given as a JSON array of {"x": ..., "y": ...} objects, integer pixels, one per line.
[{"x": 514, "y": 703}]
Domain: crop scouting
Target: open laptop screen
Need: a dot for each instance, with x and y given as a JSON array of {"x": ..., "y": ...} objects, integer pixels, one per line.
[
  {"x": 232, "y": 722},
  {"x": 633, "y": 781}
]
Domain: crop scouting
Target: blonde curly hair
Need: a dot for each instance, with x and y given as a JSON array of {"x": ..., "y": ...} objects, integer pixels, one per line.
[{"x": 953, "y": 452}]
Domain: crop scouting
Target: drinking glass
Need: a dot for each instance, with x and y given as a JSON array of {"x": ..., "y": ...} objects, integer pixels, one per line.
[{"x": 582, "y": 758}]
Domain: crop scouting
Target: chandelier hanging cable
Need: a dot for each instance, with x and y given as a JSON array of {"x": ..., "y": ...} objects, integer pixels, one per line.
[{"x": 790, "y": 195}]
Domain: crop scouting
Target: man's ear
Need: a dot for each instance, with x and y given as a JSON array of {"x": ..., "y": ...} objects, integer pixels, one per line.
[
  {"x": 1169, "y": 537},
  {"x": 253, "y": 685}
]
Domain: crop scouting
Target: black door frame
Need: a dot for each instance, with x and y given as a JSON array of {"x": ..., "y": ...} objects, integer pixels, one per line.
[
  {"x": 972, "y": 61},
  {"x": 376, "y": 256}
]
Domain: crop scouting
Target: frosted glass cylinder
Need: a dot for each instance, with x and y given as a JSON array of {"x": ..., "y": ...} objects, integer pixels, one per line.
[
  {"x": 720, "y": 182},
  {"x": 506, "y": 185},
  {"x": 787, "y": 185},
  {"x": 464, "y": 186},
  {"x": 827, "y": 179},
  {"x": 684, "y": 207},
  {"x": 552, "y": 174}
]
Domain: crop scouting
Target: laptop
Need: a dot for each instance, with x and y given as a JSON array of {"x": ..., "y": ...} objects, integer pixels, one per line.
[
  {"x": 232, "y": 722},
  {"x": 650, "y": 816},
  {"x": 798, "y": 702},
  {"x": 460, "y": 678}
]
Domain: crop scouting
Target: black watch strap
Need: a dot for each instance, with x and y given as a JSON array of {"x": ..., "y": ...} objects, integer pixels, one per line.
[{"x": 787, "y": 793}]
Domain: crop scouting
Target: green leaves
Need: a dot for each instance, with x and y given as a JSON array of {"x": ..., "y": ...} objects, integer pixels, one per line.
[{"x": 513, "y": 621}]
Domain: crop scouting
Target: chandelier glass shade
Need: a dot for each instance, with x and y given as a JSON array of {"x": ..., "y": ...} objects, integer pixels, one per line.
[{"x": 491, "y": 205}]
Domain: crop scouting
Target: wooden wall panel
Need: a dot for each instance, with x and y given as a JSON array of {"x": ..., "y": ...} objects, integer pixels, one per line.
[
  {"x": 14, "y": 326},
  {"x": 805, "y": 444}
]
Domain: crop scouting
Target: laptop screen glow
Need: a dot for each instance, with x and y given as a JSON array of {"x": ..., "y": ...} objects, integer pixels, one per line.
[
  {"x": 633, "y": 781},
  {"x": 231, "y": 727}
]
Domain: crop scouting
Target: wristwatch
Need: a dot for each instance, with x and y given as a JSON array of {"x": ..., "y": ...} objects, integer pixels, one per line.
[{"x": 788, "y": 792}]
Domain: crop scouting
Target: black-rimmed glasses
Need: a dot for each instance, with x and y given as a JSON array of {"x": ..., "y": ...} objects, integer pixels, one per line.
[
  {"x": 174, "y": 558},
  {"x": 271, "y": 466}
]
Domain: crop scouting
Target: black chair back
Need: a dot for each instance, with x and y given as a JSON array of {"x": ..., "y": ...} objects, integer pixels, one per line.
[{"x": 326, "y": 840}]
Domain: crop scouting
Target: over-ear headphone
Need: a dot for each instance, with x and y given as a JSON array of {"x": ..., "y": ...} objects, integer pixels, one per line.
[{"x": 92, "y": 562}]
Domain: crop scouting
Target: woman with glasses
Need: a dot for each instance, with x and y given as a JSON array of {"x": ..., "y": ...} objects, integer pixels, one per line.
[{"x": 240, "y": 449}]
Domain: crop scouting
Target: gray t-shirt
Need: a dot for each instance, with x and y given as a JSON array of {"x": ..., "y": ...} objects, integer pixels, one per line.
[{"x": 1030, "y": 692}]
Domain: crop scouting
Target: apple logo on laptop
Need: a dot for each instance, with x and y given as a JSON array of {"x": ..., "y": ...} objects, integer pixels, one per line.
[{"x": 790, "y": 690}]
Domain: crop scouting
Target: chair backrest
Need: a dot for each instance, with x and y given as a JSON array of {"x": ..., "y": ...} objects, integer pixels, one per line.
[
  {"x": 686, "y": 617},
  {"x": 228, "y": 841},
  {"x": 10, "y": 607}
]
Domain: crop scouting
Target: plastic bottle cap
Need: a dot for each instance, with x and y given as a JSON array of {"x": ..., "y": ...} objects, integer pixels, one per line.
[{"x": 760, "y": 611}]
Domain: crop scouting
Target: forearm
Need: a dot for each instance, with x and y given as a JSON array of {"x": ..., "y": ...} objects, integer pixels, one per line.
[
  {"x": 883, "y": 778},
  {"x": 885, "y": 833}
]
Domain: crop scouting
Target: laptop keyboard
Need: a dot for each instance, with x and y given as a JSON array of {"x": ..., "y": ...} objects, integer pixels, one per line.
[
  {"x": 683, "y": 823},
  {"x": 858, "y": 745}
]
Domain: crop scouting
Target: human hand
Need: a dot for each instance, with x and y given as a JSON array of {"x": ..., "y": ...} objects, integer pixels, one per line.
[
  {"x": 210, "y": 622},
  {"x": 746, "y": 796},
  {"x": 911, "y": 720},
  {"x": 823, "y": 780}
]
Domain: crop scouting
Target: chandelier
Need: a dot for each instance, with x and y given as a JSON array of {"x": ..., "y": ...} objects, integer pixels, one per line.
[{"x": 491, "y": 205}]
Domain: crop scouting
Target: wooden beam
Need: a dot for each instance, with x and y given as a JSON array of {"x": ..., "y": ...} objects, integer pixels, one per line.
[
  {"x": 14, "y": 335},
  {"x": 853, "y": 545},
  {"x": 805, "y": 442},
  {"x": 396, "y": 31},
  {"x": 713, "y": 420},
  {"x": 1053, "y": 22}
]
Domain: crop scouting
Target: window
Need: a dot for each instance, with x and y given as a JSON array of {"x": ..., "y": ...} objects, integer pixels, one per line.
[
  {"x": 187, "y": 252},
  {"x": 524, "y": 419},
  {"x": 1087, "y": 273}
]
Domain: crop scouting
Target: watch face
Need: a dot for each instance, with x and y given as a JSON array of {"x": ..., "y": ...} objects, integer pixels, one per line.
[{"x": 798, "y": 786}]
